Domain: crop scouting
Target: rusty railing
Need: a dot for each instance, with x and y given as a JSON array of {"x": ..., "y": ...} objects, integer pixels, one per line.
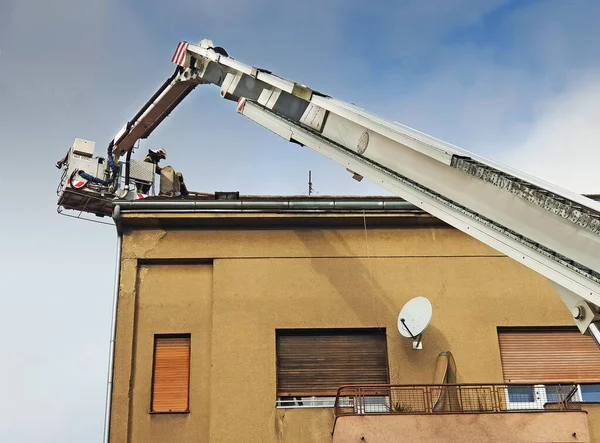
[{"x": 455, "y": 398}]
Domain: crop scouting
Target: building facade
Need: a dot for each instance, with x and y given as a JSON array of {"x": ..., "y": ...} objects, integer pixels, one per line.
[{"x": 239, "y": 320}]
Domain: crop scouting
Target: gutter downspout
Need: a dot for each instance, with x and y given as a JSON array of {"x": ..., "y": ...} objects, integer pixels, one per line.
[{"x": 113, "y": 333}]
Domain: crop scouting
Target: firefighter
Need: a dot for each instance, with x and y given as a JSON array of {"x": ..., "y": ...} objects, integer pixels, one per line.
[{"x": 154, "y": 156}]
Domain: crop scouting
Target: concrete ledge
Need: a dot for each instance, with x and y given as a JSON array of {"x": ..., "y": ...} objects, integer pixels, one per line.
[{"x": 514, "y": 427}]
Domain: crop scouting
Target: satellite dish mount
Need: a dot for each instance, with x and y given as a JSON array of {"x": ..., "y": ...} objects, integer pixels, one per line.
[
  {"x": 417, "y": 343},
  {"x": 414, "y": 318}
]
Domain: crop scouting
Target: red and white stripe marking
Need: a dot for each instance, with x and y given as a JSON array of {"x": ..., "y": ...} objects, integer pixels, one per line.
[
  {"x": 139, "y": 195},
  {"x": 241, "y": 104},
  {"x": 179, "y": 56},
  {"x": 76, "y": 183}
]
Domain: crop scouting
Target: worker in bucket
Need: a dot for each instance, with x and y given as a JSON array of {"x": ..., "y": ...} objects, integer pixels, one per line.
[{"x": 154, "y": 156}]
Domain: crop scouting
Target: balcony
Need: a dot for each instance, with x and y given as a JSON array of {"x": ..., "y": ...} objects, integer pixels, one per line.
[{"x": 460, "y": 412}]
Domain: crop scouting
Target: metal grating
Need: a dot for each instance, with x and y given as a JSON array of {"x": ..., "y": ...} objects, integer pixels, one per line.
[
  {"x": 455, "y": 398},
  {"x": 142, "y": 171},
  {"x": 583, "y": 217}
]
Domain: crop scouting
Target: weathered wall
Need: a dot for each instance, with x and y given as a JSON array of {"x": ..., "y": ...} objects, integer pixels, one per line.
[
  {"x": 261, "y": 280},
  {"x": 170, "y": 298},
  {"x": 593, "y": 411},
  {"x": 547, "y": 427}
]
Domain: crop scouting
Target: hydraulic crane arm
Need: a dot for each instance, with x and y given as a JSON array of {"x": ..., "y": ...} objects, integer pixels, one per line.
[
  {"x": 165, "y": 99},
  {"x": 551, "y": 230},
  {"x": 168, "y": 96}
]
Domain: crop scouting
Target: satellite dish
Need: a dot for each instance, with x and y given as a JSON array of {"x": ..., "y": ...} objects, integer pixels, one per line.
[{"x": 414, "y": 318}]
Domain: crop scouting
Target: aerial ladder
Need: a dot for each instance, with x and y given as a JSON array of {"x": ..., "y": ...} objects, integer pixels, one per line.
[{"x": 553, "y": 231}]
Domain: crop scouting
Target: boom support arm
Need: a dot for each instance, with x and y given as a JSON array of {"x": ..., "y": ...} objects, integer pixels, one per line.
[
  {"x": 168, "y": 96},
  {"x": 551, "y": 230}
]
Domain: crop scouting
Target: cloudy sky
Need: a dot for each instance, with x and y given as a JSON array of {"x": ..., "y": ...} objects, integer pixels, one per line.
[{"x": 516, "y": 81}]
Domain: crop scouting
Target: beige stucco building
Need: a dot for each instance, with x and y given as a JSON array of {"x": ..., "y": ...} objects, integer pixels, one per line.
[{"x": 237, "y": 320}]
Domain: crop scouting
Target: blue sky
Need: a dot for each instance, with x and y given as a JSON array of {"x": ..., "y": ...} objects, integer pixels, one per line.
[{"x": 516, "y": 81}]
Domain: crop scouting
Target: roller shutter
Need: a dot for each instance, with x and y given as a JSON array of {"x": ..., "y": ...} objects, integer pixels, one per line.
[
  {"x": 171, "y": 374},
  {"x": 318, "y": 361},
  {"x": 536, "y": 355}
]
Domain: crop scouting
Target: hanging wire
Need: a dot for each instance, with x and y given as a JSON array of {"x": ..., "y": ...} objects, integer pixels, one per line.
[
  {"x": 371, "y": 275},
  {"x": 79, "y": 217}
]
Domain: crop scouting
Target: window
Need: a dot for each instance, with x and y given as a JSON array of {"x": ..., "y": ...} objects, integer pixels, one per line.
[
  {"x": 171, "y": 373},
  {"x": 544, "y": 357},
  {"x": 590, "y": 393},
  {"x": 313, "y": 363},
  {"x": 536, "y": 396},
  {"x": 521, "y": 394}
]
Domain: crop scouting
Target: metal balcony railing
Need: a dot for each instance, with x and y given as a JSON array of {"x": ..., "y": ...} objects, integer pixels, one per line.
[{"x": 455, "y": 398}]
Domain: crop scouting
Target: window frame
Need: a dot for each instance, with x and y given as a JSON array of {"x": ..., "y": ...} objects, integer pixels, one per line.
[
  {"x": 152, "y": 380},
  {"x": 580, "y": 393},
  {"x": 316, "y": 400},
  {"x": 539, "y": 389},
  {"x": 540, "y": 398},
  {"x": 540, "y": 394}
]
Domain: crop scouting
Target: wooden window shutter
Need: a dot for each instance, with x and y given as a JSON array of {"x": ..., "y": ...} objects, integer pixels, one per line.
[
  {"x": 539, "y": 355},
  {"x": 171, "y": 374},
  {"x": 318, "y": 361}
]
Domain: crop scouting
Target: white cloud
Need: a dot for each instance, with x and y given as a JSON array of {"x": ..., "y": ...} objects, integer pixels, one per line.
[{"x": 562, "y": 144}]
